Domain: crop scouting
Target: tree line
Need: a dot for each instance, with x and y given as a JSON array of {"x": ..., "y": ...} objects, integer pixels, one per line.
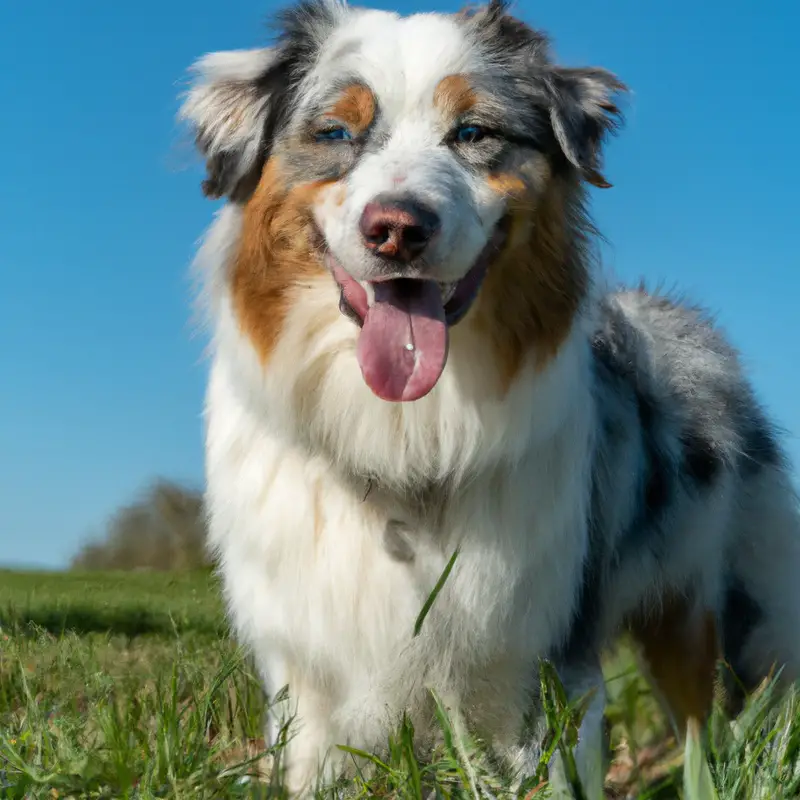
[{"x": 162, "y": 529}]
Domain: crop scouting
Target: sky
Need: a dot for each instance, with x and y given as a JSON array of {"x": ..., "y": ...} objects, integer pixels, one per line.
[{"x": 101, "y": 366}]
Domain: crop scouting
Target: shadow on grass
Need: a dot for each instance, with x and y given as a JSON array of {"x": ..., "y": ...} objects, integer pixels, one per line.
[{"x": 126, "y": 622}]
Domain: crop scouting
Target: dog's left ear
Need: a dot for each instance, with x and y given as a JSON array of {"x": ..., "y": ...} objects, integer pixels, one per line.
[{"x": 582, "y": 113}]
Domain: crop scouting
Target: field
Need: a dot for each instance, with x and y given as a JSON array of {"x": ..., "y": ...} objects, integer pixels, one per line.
[{"x": 126, "y": 685}]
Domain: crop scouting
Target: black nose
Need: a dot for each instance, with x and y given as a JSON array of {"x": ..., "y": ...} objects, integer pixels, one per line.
[{"x": 398, "y": 230}]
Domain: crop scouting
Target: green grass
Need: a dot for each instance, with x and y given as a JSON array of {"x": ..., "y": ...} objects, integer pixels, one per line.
[
  {"x": 130, "y": 603},
  {"x": 124, "y": 685}
]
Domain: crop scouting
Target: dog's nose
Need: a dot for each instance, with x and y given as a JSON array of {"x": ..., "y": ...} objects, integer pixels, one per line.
[{"x": 398, "y": 230}]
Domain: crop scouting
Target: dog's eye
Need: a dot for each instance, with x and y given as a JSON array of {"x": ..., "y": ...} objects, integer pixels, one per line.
[
  {"x": 469, "y": 134},
  {"x": 333, "y": 134}
]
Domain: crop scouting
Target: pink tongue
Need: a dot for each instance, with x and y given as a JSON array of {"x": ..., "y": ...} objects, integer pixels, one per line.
[{"x": 405, "y": 312}]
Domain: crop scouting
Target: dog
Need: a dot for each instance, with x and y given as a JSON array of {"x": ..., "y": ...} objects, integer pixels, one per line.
[{"x": 415, "y": 359}]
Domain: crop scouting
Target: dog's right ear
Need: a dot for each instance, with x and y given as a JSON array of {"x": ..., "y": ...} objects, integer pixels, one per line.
[{"x": 233, "y": 107}]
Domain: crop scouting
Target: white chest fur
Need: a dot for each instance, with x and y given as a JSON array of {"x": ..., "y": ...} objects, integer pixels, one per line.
[{"x": 325, "y": 585}]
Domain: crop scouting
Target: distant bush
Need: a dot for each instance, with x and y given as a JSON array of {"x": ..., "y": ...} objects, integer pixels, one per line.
[{"x": 162, "y": 530}]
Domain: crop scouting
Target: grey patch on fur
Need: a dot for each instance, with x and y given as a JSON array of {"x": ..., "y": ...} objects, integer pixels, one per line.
[
  {"x": 702, "y": 462},
  {"x": 760, "y": 447},
  {"x": 741, "y": 615},
  {"x": 303, "y": 160},
  {"x": 633, "y": 423},
  {"x": 677, "y": 418},
  {"x": 583, "y": 638},
  {"x": 541, "y": 104},
  {"x": 397, "y": 541}
]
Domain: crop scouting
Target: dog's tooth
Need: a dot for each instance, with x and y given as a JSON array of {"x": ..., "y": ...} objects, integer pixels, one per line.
[
  {"x": 370, "y": 291},
  {"x": 448, "y": 290}
]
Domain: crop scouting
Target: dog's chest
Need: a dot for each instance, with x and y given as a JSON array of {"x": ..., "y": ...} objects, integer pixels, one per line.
[{"x": 324, "y": 575}]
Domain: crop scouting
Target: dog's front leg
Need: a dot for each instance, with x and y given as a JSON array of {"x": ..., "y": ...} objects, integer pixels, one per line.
[
  {"x": 299, "y": 727},
  {"x": 583, "y": 681}
]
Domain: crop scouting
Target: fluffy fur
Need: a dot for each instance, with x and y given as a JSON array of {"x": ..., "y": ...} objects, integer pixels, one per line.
[{"x": 598, "y": 457}]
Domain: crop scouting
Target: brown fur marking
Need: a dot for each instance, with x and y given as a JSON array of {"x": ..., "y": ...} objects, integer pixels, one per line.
[
  {"x": 454, "y": 96},
  {"x": 276, "y": 253},
  {"x": 355, "y": 107},
  {"x": 680, "y": 648},
  {"x": 534, "y": 289},
  {"x": 507, "y": 184}
]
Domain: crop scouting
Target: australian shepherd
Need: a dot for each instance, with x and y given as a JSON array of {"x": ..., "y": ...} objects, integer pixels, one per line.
[{"x": 414, "y": 354}]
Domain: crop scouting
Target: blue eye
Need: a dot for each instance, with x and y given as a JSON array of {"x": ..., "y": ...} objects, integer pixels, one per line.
[
  {"x": 337, "y": 134},
  {"x": 470, "y": 134}
]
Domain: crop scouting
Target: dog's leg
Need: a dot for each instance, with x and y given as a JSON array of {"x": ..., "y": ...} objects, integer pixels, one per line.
[
  {"x": 583, "y": 680},
  {"x": 679, "y": 649},
  {"x": 299, "y": 724}
]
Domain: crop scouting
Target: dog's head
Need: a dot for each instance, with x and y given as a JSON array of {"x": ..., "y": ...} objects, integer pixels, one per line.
[{"x": 423, "y": 162}]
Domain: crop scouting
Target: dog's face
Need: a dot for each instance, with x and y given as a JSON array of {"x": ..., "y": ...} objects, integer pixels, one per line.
[{"x": 407, "y": 157}]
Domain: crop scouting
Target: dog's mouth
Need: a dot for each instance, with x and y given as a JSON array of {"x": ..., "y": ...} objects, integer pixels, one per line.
[{"x": 403, "y": 344}]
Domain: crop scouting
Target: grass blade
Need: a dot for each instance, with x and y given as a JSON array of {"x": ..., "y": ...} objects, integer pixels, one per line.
[
  {"x": 697, "y": 782},
  {"x": 435, "y": 593}
]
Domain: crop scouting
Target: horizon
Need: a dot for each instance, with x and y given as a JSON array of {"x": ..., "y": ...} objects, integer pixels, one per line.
[{"x": 103, "y": 371}]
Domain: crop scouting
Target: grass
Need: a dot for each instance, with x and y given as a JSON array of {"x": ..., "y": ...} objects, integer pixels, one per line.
[
  {"x": 124, "y": 685},
  {"x": 129, "y": 603}
]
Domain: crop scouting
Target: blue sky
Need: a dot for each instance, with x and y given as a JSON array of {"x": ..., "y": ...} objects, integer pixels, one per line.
[{"x": 101, "y": 374}]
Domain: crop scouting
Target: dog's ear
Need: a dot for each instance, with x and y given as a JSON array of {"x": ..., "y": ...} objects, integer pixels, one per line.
[
  {"x": 580, "y": 101},
  {"x": 582, "y": 113},
  {"x": 240, "y": 100},
  {"x": 231, "y": 107}
]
